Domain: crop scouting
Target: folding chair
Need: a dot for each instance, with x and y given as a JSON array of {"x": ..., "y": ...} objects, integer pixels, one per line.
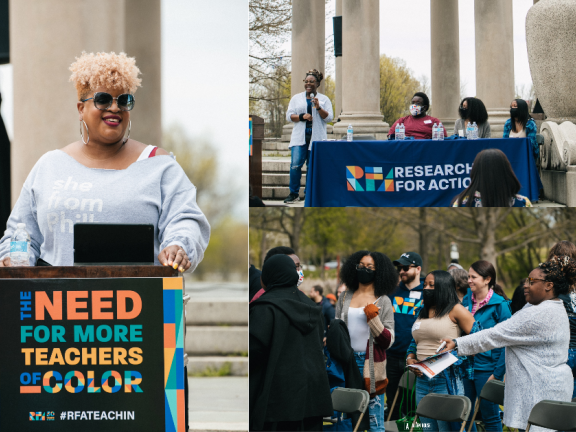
[
  {"x": 560, "y": 416},
  {"x": 350, "y": 400},
  {"x": 493, "y": 391},
  {"x": 391, "y": 426},
  {"x": 445, "y": 408}
]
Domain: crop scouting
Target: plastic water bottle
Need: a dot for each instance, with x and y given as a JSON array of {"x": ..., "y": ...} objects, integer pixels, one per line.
[
  {"x": 440, "y": 132},
  {"x": 350, "y": 134},
  {"x": 474, "y": 131},
  {"x": 402, "y": 132},
  {"x": 469, "y": 131},
  {"x": 20, "y": 247},
  {"x": 435, "y": 132},
  {"x": 397, "y": 131}
]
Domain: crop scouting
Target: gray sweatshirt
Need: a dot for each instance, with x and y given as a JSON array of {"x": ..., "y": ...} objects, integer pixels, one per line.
[{"x": 59, "y": 192}]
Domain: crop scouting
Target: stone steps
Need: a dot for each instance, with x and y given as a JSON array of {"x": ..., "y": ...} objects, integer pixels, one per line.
[{"x": 217, "y": 335}]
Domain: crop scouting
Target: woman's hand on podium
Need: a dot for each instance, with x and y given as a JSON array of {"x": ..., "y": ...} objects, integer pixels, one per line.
[
  {"x": 5, "y": 262},
  {"x": 174, "y": 256}
]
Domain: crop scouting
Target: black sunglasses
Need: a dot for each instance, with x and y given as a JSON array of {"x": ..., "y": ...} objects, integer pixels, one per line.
[
  {"x": 103, "y": 101},
  {"x": 405, "y": 268}
]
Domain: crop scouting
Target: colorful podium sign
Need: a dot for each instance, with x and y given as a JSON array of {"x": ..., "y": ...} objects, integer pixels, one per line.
[{"x": 92, "y": 354}]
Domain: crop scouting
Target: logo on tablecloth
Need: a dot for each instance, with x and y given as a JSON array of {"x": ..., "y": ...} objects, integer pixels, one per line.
[
  {"x": 408, "y": 178},
  {"x": 374, "y": 177}
]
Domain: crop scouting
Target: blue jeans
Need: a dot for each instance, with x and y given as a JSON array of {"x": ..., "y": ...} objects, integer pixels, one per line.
[
  {"x": 376, "y": 407},
  {"x": 299, "y": 156},
  {"x": 490, "y": 411},
  {"x": 572, "y": 362},
  {"x": 424, "y": 386}
]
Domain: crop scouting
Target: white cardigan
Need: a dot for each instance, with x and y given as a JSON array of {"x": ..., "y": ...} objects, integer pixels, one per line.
[{"x": 298, "y": 105}]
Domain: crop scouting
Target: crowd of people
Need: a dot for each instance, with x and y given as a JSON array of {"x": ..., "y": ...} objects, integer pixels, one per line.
[
  {"x": 311, "y": 111},
  {"x": 393, "y": 316}
]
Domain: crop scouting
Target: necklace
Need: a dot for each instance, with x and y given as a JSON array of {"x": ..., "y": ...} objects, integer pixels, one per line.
[{"x": 102, "y": 160}]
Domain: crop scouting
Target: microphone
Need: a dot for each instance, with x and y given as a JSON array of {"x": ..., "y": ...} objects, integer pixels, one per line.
[{"x": 312, "y": 98}]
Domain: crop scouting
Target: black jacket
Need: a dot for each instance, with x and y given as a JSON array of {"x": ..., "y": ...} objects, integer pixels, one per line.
[
  {"x": 288, "y": 379},
  {"x": 340, "y": 348}
]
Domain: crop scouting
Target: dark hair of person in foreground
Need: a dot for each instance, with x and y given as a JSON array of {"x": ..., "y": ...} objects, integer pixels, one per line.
[
  {"x": 279, "y": 250},
  {"x": 561, "y": 271},
  {"x": 386, "y": 277},
  {"x": 492, "y": 176},
  {"x": 445, "y": 297}
]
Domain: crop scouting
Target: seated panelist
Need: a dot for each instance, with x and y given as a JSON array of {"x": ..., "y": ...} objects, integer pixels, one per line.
[
  {"x": 418, "y": 124},
  {"x": 107, "y": 177}
]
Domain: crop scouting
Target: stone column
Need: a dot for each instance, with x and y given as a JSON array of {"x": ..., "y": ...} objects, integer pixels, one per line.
[
  {"x": 495, "y": 60},
  {"x": 143, "y": 41},
  {"x": 361, "y": 70},
  {"x": 308, "y": 41},
  {"x": 308, "y": 46},
  {"x": 445, "y": 61},
  {"x": 45, "y": 114},
  {"x": 338, "y": 79}
]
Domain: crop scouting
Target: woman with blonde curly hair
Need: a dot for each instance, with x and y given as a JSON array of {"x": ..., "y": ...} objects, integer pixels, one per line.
[
  {"x": 311, "y": 112},
  {"x": 536, "y": 340},
  {"x": 107, "y": 177}
]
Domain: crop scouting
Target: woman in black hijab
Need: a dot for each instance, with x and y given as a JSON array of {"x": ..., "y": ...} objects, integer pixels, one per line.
[{"x": 289, "y": 388}]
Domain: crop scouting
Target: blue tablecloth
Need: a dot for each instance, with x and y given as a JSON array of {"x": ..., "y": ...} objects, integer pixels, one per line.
[{"x": 414, "y": 173}]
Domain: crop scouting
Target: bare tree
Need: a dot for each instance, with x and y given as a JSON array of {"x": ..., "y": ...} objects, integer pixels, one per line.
[{"x": 269, "y": 28}]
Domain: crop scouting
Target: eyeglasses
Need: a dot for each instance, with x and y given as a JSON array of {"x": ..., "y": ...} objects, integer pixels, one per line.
[
  {"x": 405, "y": 268},
  {"x": 532, "y": 280},
  {"x": 298, "y": 267},
  {"x": 362, "y": 267},
  {"x": 103, "y": 101}
]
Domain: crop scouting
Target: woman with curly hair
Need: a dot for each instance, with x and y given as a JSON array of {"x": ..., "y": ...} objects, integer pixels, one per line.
[
  {"x": 472, "y": 110},
  {"x": 441, "y": 314},
  {"x": 536, "y": 340},
  {"x": 567, "y": 248},
  {"x": 310, "y": 112},
  {"x": 108, "y": 177},
  {"x": 367, "y": 311}
]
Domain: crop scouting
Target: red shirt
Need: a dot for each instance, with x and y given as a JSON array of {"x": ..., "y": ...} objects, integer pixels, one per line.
[{"x": 419, "y": 128}]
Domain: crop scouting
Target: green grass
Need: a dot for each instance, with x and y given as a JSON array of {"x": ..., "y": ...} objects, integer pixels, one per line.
[{"x": 224, "y": 370}]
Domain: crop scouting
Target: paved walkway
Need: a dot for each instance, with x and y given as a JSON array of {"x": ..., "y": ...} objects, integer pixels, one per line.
[
  {"x": 218, "y": 404},
  {"x": 301, "y": 204}
]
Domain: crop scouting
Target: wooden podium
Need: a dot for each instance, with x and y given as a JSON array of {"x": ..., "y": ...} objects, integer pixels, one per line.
[
  {"x": 85, "y": 272},
  {"x": 105, "y": 342}
]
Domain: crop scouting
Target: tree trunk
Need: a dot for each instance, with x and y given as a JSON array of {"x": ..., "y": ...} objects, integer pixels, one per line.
[
  {"x": 297, "y": 222},
  {"x": 263, "y": 247},
  {"x": 487, "y": 233},
  {"x": 423, "y": 239}
]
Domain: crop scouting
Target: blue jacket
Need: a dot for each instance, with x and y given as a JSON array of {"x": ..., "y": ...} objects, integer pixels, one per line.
[
  {"x": 531, "y": 131},
  {"x": 496, "y": 311}
]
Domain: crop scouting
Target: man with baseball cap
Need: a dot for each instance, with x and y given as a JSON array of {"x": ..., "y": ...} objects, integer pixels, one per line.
[{"x": 406, "y": 302}]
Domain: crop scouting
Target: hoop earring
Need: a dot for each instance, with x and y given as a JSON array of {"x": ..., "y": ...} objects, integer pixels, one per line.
[
  {"x": 129, "y": 129},
  {"x": 82, "y": 132}
]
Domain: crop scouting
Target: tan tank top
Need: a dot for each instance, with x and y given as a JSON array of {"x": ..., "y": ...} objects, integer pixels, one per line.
[{"x": 428, "y": 332}]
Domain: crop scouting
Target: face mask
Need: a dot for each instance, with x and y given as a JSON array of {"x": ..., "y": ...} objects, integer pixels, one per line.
[
  {"x": 365, "y": 276},
  {"x": 415, "y": 110},
  {"x": 300, "y": 278},
  {"x": 513, "y": 112},
  {"x": 428, "y": 296},
  {"x": 463, "y": 112}
]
